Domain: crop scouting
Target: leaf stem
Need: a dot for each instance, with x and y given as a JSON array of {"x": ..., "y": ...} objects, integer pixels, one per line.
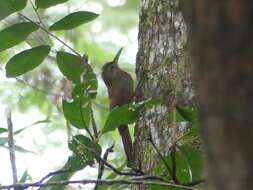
[{"x": 51, "y": 34}]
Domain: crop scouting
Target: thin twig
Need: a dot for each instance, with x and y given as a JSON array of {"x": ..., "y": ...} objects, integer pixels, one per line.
[
  {"x": 53, "y": 174},
  {"x": 174, "y": 165},
  {"x": 151, "y": 177},
  {"x": 173, "y": 147},
  {"x": 100, "y": 182},
  {"x": 98, "y": 157},
  {"x": 12, "y": 149},
  {"x": 36, "y": 12},
  {"x": 160, "y": 155},
  {"x": 101, "y": 166},
  {"x": 51, "y": 34},
  {"x": 93, "y": 122},
  {"x": 37, "y": 89}
]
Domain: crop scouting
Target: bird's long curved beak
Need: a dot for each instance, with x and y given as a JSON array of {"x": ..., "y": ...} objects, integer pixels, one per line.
[{"x": 116, "y": 58}]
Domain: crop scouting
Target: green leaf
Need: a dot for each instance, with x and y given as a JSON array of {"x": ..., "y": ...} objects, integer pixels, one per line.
[
  {"x": 73, "y": 20},
  {"x": 16, "y": 34},
  {"x": 82, "y": 146},
  {"x": 186, "y": 114},
  {"x": 43, "y": 4},
  {"x": 3, "y": 140},
  {"x": 70, "y": 65},
  {"x": 73, "y": 164},
  {"x": 22, "y": 150},
  {"x": 88, "y": 87},
  {"x": 24, "y": 177},
  {"x": 35, "y": 123},
  {"x": 126, "y": 114},
  {"x": 3, "y": 130},
  {"x": 26, "y": 61},
  {"x": 189, "y": 164},
  {"x": 7, "y": 7},
  {"x": 77, "y": 112},
  {"x": 194, "y": 160}
]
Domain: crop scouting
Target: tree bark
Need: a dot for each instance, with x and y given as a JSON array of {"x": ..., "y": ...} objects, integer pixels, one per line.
[
  {"x": 163, "y": 71},
  {"x": 222, "y": 47}
]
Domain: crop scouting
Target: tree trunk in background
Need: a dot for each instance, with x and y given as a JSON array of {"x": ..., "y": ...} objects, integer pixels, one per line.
[
  {"x": 163, "y": 71},
  {"x": 221, "y": 33}
]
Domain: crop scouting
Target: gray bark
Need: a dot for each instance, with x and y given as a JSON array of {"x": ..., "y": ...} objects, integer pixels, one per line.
[{"x": 163, "y": 71}]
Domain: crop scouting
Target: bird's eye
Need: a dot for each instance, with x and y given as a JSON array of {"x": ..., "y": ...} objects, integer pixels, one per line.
[{"x": 111, "y": 67}]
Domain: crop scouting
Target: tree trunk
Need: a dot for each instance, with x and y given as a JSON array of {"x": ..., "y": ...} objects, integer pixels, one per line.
[
  {"x": 164, "y": 72},
  {"x": 222, "y": 44}
]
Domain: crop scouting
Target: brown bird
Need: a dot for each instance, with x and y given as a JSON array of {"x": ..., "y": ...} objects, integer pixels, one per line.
[{"x": 120, "y": 90}]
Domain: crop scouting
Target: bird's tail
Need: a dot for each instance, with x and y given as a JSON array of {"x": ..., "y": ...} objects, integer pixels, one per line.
[{"x": 127, "y": 143}]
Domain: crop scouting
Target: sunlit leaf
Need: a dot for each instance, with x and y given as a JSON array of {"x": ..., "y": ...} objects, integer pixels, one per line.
[
  {"x": 85, "y": 148},
  {"x": 70, "y": 65},
  {"x": 43, "y": 4},
  {"x": 26, "y": 61},
  {"x": 7, "y": 7},
  {"x": 77, "y": 112},
  {"x": 73, "y": 20},
  {"x": 16, "y": 34}
]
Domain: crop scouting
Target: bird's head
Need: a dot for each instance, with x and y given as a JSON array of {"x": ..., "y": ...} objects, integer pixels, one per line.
[{"x": 110, "y": 69}]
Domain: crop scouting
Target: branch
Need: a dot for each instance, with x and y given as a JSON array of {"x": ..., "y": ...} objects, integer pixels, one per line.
[
  {"x": 101, "y": 167},
  {"x": 174, "y": 165},
  {"x": 161, "y": 156},
  {"x": 36, "y": 88},
  {"x": 93, "y": 122},
  {"x": 100, "y": 182},
  {"x": 51, "y": 34},
  {"x": 98, "y": 157},
  {"x": 53, "y": 174},
  {"x": 12, "y": 149},
  {"x": 36, "y": 12}
]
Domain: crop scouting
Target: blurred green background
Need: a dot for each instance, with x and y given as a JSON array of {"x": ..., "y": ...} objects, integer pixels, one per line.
[{"x": 37, "y": 95}]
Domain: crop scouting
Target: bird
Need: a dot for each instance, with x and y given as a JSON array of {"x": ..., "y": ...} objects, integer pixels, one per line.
[{"x": 121, "y": 91}]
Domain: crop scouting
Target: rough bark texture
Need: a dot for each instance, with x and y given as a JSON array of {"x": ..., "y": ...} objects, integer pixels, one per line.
[
  {"x": 221, "y": 33},
  {"x": 163, "y": 71}
]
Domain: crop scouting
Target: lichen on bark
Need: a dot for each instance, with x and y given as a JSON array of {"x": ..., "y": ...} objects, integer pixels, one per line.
[{"x": 163, "y": 71}]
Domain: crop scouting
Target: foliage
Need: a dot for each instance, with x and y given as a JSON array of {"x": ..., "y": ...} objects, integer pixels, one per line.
[
  {"x": 43, "y": 4},
  {"x": 26, "y": 61},
  {"x": 16, "y": 34},
  {"x": 73, "y": 20},
  {"x": 189, "y": 160},
  {"x": 7, "y": 7}
]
